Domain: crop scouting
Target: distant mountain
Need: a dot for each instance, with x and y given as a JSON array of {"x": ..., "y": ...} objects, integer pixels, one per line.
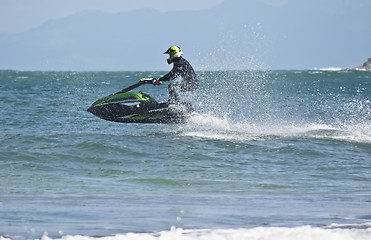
[
  {"x": 365, "y": 66},
  {"x": 254, "y": 36}
]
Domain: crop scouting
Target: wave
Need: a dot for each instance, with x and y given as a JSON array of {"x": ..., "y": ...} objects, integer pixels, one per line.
[
  {"x": 362, "y": 231},
  {"x": 330, "y": 69},
  {"x": 208, "y": 126}
]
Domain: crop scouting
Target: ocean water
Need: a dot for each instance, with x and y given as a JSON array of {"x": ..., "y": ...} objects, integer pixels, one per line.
[{"x": 267, "y": 155}]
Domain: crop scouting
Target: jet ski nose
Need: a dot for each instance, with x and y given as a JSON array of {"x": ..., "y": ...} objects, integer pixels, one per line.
[{"x": 90, "y": 109}]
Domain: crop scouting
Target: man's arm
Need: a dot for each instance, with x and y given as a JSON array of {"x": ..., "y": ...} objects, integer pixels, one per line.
[{"x": 170, "y": 76}]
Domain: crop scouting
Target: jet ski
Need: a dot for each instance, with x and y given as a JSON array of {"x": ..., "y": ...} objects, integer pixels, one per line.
[{"x": 138, "y": 107}]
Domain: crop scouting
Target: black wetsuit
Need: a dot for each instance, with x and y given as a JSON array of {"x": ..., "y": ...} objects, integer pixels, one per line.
[{"x": 183, "y": 69}]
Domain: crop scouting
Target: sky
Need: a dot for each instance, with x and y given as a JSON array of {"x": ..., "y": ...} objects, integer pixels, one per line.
[
  {"x": 214, "y": 34},
  {"x": 21, "y": 15}
]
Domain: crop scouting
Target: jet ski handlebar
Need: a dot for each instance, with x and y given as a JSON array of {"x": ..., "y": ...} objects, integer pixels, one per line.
[{"x": 140, "y": 83}]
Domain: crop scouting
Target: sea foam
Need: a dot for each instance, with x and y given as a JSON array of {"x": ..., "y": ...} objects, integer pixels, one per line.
[
  {"x": 211, "y": 127},
  {"x": 258, "y": 233}
]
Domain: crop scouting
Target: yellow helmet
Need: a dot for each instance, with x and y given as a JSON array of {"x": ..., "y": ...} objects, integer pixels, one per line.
[{"x": 174, "y": 52}]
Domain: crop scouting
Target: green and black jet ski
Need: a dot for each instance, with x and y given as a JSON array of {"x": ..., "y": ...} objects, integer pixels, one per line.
[{"x": 133, "y": 107}]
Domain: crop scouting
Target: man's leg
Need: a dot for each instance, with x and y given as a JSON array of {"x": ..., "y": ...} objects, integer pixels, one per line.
[{"x": 173, "y": 93}]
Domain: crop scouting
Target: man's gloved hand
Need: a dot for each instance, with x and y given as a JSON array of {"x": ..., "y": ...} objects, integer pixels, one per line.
[{"x": 156, "y": 81}]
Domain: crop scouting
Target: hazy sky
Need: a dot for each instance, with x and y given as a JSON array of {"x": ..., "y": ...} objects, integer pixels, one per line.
[
  {"x": 215, "y": 34},
  {"x": 21, "y": 15}
]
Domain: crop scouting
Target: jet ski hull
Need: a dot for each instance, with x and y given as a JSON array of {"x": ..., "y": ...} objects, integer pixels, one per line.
[{"x": 139, "y": 108}]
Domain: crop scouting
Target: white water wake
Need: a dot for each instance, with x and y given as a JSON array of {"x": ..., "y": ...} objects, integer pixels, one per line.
[
  {"x": 208, "y": 126},
  {"x": 258, "y": 233}
]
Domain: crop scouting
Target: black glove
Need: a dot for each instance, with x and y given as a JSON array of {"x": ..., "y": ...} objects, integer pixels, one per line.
[{"x": 156, "y": 81}]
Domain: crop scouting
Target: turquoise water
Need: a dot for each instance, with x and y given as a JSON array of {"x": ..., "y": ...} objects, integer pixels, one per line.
[{"x": 267, "y": 154}]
